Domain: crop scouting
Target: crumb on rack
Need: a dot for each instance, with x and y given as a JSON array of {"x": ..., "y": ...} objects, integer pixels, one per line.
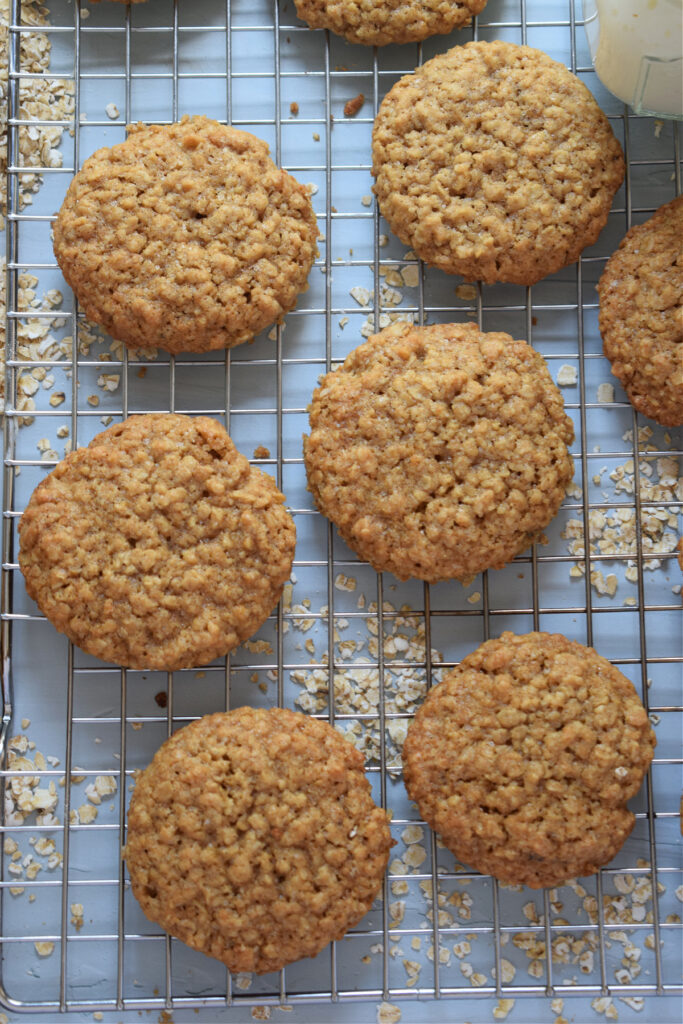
[{"x": 351, "y": 107}]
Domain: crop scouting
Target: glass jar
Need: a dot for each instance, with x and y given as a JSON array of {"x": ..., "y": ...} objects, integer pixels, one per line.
[{"x": 637, "y": 51}]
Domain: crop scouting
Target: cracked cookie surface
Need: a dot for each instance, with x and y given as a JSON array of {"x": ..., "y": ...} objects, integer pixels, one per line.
[
  {"x": 378, "y": 22},
  {"x": 641, "y": 314},
  {"x": 493, "y": 161},
  {"x": 524, "y": 756},
  {"x": 439, "y": 451},
  {"x": 185, "y": 236},
  {"x": 253, "y": 837},
  {"x": 158, "y": 546}
]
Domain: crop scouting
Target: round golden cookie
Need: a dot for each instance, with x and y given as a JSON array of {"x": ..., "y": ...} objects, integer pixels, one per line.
[
  {"x": 523, "y": 759},
  {"x": 253, "y": 837},
  {"x": 377, "y": 22},
  {"x": 494, "y": 162},
  {"x": 641, "y": 314},
  {"x": 185, "y": 236},
  {"x": 439, "y": 451},
  {"x": 158, "y": 546}
]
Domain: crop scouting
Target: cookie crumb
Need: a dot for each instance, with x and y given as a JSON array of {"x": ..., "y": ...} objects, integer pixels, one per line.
[
  {"x": 352, "y": 107},
  {"x": 294, "y": 109}
]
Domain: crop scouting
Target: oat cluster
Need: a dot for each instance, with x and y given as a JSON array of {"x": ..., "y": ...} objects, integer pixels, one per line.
[
  {"x": 494, "y": 162},
  {"x": 253, "y": 837},
  {"x": 439, "y": 451},
  {"x": 378, "y": 22},
  {"x": 523, "y": 759},
  {"x": 158, "y": 546},
  {"x": 641, "y": 314},
  {"x": 185, "y": 236}
]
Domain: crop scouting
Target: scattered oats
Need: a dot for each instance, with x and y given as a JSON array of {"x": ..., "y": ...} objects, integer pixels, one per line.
[
  {"x": 366, "y": 200},
  {"x": 530, "y": 912},
  {"x": 462, "y": 949},
  {"x": 106, "y": 420},
  {"x": 316, "y": 138},
  {"x": 412, "y": 834},
  {"x": 602, "y": 1004},
  {"x": 605, "y": 393},
  {"x": 260, "y": 1013},
  {"x": 411, "y": 276},
  {"x": 397, "y": 910},
  {"x": 567, "y": 375},
  {"x": 387, "y": 1013},
  {"x": 343, "y": 322},
  {"x": 474, "y": 598},
  {"x": 44, "y": 948},
  {"x": 507, "y": 970},
  {"x": 478, "y": 980},
  {"x": 10, "y": 846},
  {"x": 630, "y": 602},
  {"x": 343, "y": 582},
  {"x": 93, "y": 400},
  {"x": 86, "y": 814},
  {"x": 503, "y": 1007},
  {"x": 112, "y": 111},
  {"x": 361, "y": 295},
  {"x": 557, "y": 1005},
  {"x": 416, "y": 943},
  {"x": 635, "y": 1002},
  {"x": 412, "y": 969},
  {"x": 415, "y": 856},
  {"x": 109, "y": 381}
]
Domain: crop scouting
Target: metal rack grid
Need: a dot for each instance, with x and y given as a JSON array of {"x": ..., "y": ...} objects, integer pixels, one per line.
[{"x": 261, "y": 392}]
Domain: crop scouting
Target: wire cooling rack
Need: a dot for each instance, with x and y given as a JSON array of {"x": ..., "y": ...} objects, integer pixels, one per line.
[{"x": 73, "y": 938}]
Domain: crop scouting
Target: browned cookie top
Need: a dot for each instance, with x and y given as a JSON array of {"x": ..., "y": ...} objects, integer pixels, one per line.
[
  {"x": 253, "y": 837},
  {"x": 376, "y": 22},
  {"x": 495, "y": 162},
  {"x": 185, "y": 236},
  {"x": 439, "y": 451},
  {"x": 641, "y": 314},
  {"x": 158, "y": 546},
  {"x": 523, "y": 759}
]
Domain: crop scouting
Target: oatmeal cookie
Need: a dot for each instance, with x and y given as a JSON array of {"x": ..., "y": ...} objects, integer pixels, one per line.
[
  {"x": 253, "y": 837},
  {"x": 523, "y": 759},
  {"x": 494, "y": 162},
  {"x": 158, "y": 546},
  {"x": 439, "y": 451},
  {"x": 377, "y": 22},
  {"x": 185, "y": 236},
  {"x": 641, "y": 314}
]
